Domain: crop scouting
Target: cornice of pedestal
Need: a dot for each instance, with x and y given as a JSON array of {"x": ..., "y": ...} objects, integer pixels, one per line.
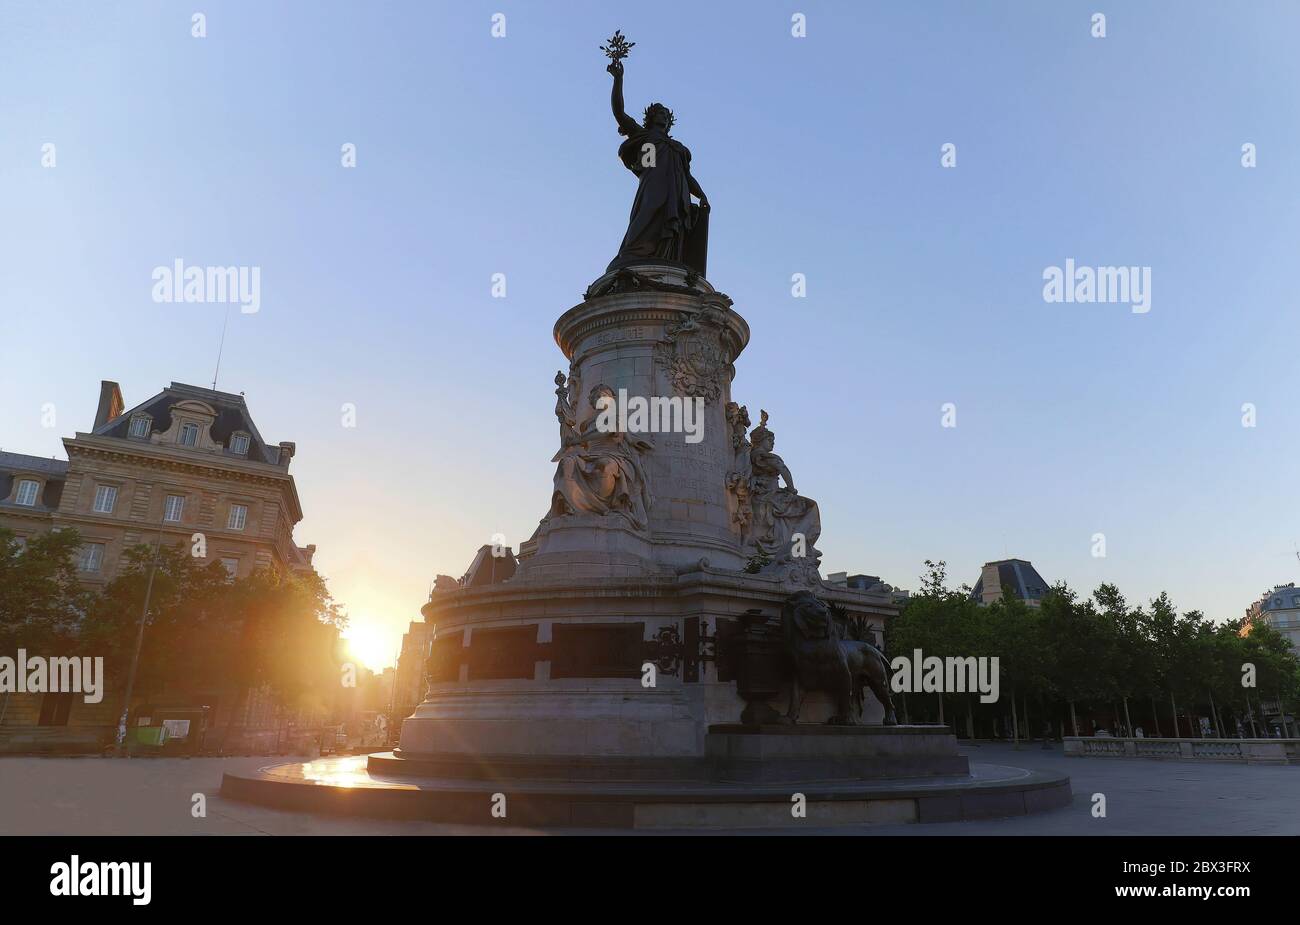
[
  {"x": 659, "y": 295},
  {"x": 509, "y": 602}
]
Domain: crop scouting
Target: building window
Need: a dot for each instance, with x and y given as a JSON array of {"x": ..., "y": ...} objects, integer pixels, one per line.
[
  {"x": 27, "y": 492},
  {"x": 173, "y": 508},
  {"x": 231, "y": 566},
  {"x": 239, "y": 444},
  {"x": 20, "y": 544},
  {"x": 92, "y": 557},
  {"x": 105, "y": 499},
  {"x": 141, "y": 424},
  {"x": 238, "y": 516},
  {"x": 189, "y": 435}
]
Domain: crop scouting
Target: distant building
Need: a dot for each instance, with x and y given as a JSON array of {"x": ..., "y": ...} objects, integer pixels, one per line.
[
  {"x": 866, "y": 583},
  {"x": 410, "y": 680},
  {"x": 1015, "y": 575},
  {"x": 1280, "y": 609},
  {"x": 491, "y": 565}
]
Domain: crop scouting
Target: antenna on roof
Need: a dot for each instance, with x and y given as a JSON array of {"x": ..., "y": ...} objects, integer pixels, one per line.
[{"x": 221, "y": 346}]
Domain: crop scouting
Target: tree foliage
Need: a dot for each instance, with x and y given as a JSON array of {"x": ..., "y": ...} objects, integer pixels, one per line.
[
  {"x": 42, "y": 605},
  {"x": 1098, "y": 652},
  {"x": 203, "y": 630}
]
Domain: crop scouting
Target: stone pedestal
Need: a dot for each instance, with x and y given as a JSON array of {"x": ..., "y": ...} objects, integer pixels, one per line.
[
  {"x": 678, "y": 342},
  {"x": 553, "y": 661},
  {"x": 793, "y": 753},
  {"x": 531, "y": 667}
]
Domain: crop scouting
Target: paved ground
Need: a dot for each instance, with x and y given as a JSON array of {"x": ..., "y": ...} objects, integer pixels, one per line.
[{"x": 153, "y": 796}]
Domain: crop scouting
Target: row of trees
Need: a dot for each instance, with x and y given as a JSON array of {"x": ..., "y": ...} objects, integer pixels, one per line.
[
  {"x": 1096, "y": 656},
  {"x": 203, "y": 630}
]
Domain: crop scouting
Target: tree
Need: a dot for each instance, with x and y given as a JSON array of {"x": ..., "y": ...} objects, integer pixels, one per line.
[
  {"x": 42, "y": 605},
  {"x": 187, "y": 629},
  {"x": 204, "y": 630}
]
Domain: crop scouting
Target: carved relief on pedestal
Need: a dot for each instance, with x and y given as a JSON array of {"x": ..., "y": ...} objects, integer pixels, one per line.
[{"x": 691, "y": 355}]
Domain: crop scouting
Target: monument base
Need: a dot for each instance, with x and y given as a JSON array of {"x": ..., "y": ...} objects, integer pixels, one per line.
[
  {"x": 790, "y": 753},
  {"x": 748, "y": 778}
]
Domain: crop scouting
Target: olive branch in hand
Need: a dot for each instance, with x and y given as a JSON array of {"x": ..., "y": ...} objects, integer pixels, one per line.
[{"x": 617, "y": 48}]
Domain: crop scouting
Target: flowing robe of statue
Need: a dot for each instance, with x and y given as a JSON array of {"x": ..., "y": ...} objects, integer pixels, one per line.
[
  {"x": 662, "y": 215},
  {"x": 600, "y": 472}
]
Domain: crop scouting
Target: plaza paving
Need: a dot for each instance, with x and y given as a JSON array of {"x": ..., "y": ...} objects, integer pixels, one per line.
[{"x": 93, "y": 796}]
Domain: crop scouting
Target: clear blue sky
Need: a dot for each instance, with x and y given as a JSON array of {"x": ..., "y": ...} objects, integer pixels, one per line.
[{"x": 820, "y": 156}]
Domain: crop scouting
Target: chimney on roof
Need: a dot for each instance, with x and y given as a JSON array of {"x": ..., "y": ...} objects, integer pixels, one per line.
[
  {"x": 287, "y": 449},
  {"x": 110, "y": 403}
]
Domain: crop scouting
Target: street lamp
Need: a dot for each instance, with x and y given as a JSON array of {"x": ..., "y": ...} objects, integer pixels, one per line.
[{"x": 139, "y": 643}]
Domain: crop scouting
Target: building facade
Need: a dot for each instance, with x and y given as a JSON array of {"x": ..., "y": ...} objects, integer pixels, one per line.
[
  {"x": 186, "y": 461},
  {"x": 1280, "y": 609},
  {"x": 186, "y": 466}
]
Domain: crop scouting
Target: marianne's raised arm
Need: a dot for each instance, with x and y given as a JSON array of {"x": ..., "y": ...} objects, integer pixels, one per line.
[{"x": 626, "y": 124}]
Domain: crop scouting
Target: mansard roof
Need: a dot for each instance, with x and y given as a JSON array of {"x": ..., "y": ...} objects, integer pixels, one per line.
[
  {"x": 1282, "y": 597},
  {"x": 231, "y": 412},
  {"x": 14, "y": 465},
  {"x": 1017, "y": 574},
  {"x": 21, "y": 462}
]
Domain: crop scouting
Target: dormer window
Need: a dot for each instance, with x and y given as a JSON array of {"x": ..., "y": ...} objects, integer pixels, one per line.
[
  {"x": 239, "y": 444},
  {"x": 189, "y": 435},
  {"x": 26, "y": 495},
  {"x": 141, "y": 424}
]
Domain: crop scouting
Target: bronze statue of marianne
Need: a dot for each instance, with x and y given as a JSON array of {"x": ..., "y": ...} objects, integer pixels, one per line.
[{"x": 664, "y": 225}]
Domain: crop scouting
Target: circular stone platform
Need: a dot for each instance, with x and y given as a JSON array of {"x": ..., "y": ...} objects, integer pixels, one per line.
[{"x": 356, "y": 786}]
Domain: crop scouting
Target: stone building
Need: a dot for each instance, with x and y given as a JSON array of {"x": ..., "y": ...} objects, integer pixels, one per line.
[
  {"x": 1016, "y": 575},
  {"x": 410, "y": 680},
  {"x": 867, "y": 583},
  {"x": 185, "y": 461},
  {"x": 188, "y": 460},
  {"x": 1280, "y": 609}
]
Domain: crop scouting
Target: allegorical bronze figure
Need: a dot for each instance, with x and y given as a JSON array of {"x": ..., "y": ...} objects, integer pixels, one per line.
[{"x": 664, "y": 224}]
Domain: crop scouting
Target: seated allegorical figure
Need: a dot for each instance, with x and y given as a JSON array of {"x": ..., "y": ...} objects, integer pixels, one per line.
[
  {"x": 781, "y": 516},
  {"x": 598, "y": 471}
]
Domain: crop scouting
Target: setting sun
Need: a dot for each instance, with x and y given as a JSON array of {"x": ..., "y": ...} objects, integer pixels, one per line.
[{"x": 369, "y": 646}]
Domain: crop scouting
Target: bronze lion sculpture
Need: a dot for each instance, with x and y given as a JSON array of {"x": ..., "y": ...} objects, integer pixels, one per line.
[{"x": 825, "y": 659}]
